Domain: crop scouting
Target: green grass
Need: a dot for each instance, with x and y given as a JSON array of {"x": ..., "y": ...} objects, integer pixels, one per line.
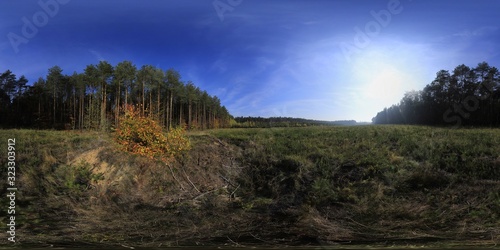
[
  {"x": 43, "y": 171},
  {"x": 352, "y": 183},
  {"x": 466, "y": 152},
  {"x": 390, "y": 178}
]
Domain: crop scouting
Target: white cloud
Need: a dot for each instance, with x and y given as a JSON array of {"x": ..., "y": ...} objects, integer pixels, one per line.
[
  {"x": 482, "y": 31},
  {"x": 220, "y": 66},
  {"x": 97, "y": 55}
]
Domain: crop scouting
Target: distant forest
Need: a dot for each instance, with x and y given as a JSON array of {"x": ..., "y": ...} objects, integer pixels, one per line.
[
  {"x": 95, "y": 99},
  {"x": 466, "y": 97},
  {"x": 261, "y": 122}
]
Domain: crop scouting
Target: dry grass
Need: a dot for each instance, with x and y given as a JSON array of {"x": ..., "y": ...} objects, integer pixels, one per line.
[{"x": 264, "y": 186}]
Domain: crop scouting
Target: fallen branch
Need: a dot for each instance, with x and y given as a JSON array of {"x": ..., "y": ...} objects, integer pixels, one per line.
[
  {"x": 236, "y": 243},
  {"x": 227, "y": 180},
  {"x": 203, "y": 194},
  {"x": 187, "y": 177},
  {"x": 219, "y": 141},
  {"x": 175, "y": 178},
  {"x": 232, "y": 193}
]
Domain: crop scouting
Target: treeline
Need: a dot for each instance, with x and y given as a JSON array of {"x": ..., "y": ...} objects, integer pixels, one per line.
[
  {"x": 261, "y": 122},
  {"x": 95, "y": 98},
  {"x": 467, "y": 96}
]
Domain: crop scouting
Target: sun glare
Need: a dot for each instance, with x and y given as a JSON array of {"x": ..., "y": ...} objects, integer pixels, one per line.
[
  {"x": 383, "y": 80},
  {"x": 386, "y": 83}
]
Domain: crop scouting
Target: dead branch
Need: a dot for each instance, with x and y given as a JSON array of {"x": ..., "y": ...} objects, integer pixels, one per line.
[
  {"x": 203, "y": 194},
  {"x": 226, "y": 180},
  {"x": 175, "y": 178},
  {"x": 232, "y": 193},
  {"x": 187, "y": 177}
]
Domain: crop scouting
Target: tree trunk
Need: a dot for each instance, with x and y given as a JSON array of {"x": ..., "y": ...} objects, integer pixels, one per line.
[
  {"x": 164, "y": 115},
  {"x": 54, "y": 107},
  {"x": 151, "y": 112},
  {"x": 189, "y": 114},
  {"x": 158, "y": 106},
  {"x": 73, "y": 122},
  {"x": 39, "y": 110},
  {"x": 126, "y": 97},
  {"x": 142, "y": 109},
  {"x": 180, "y": 115},
  {"x": 91, "y": 115},
  {"x": 171, "y": 110},
  {"x": 103, "y": 107},
  {"x": 204, "y": 118},
  {"x": 82, "y": 107},
  {"x": 117, "y": 106}
]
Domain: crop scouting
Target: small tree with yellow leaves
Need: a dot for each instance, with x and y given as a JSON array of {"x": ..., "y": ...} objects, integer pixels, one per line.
[{"x": 143, "y": 136}]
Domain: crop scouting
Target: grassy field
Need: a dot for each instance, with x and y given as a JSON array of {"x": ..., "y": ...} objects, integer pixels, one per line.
[
  {"x": 313, "y": 185},
  {"x": 394, "y": 181}
]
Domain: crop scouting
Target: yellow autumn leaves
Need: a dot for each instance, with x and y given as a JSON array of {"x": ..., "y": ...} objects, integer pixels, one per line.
[{"x": 143, "y": 136}]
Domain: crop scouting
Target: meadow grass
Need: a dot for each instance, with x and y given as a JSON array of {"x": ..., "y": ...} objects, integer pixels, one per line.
[
  {"x": 466, "y": 152},
  {"x": 388, "y": 178},
  {"x": 331, "y": 182}
]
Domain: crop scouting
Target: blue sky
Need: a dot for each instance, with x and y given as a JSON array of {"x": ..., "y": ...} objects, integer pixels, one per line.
[{"x": 328, "y": 60}]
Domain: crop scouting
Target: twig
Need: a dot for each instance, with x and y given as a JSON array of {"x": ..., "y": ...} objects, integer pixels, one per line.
[
  {"x": 226, "y": 180},
  {"x": 259, "y": 238},
  {"x": 232, "y": 193},
  {"x": 203, "y": 194},
  {"x": 237, "y": 244},
  {"x": 362, "y": 224},
  {"x": 187, "y": 177},
  {"x": 219, "y": 141},
  {"x": 175, "y": 178}
]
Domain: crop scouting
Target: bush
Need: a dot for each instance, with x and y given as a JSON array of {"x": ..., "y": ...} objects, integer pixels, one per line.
[
  {"x": 144, "y": 136},
  {"x": 77, "y": 178}
]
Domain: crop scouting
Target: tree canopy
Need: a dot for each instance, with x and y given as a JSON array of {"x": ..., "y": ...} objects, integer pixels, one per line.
[
  {"x": 465, "y": 97},
  {"x": 95, "y": 98}
]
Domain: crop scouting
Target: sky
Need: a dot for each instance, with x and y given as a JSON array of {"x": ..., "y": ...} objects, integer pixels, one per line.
[{"x": 315, "y": 59}]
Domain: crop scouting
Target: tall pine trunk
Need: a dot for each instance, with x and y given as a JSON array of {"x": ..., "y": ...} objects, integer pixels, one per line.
[
  {"x": 143, "y": 99},
  {"x": 54, "y": 106},
  {"x": 171, "y": 110},
  {"x": 117, "y": 105},
  {"x": 158, "y": 106},
  {"x": 189, "y": 114},
  {"x": 82, "y": 109},
  {"x": 180, "y": 115},
  {"x": 103, "y": 108}
]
